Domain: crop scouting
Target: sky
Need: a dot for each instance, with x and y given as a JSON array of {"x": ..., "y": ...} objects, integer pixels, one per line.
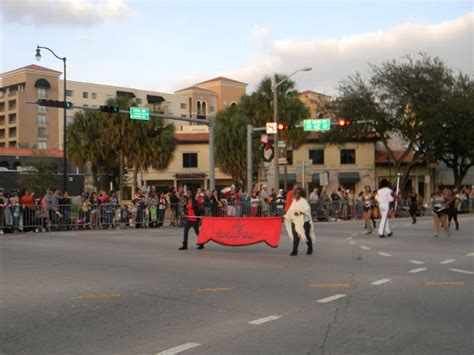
[{"x": 168, "y": 45}]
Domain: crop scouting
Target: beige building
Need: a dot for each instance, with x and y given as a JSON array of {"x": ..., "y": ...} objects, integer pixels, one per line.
[
  {"x": 26, "y": 125},
  {"x": 316, "y": 102}
]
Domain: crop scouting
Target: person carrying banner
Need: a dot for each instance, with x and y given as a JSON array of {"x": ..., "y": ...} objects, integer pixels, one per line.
[
  {"x": 193, "y": 212},
  {"x": 384, "y": 197},
  {"x": 299, "y": 223}
]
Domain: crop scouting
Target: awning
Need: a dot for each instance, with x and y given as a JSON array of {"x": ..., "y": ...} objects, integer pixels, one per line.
[
  {"x": 315, "y": 178},
  {"x": 290, "y": 178},
  {"x": 349, "y": 177},
  {"x": 125, "y": 93},
  {"x": 153, "y": 99},
  {"x": 42, "y": 83}
]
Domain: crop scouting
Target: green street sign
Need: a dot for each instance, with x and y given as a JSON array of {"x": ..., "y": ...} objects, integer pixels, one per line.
[
  {"x": 323, "y": 124},
  {"x": 140, "y": 113}
]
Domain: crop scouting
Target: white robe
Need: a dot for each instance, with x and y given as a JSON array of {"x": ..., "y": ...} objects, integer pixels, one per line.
[{"x": 304, "y": 208}]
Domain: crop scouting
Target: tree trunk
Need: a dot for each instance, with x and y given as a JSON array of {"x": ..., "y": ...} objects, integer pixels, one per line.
[
  {"x": 100, "y": 174},
  {"x": 135, "y": 179},
  {"x": 121, "y": 173}
]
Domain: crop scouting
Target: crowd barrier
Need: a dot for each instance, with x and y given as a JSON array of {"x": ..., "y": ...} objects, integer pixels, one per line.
[{"x": 18, "y": 218}]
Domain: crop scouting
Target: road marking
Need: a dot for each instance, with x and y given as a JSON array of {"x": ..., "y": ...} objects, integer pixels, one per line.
[
  {"x": 265, "y": 320},
  {"x": 384, "y": 254},
  {"x": 331, "y": 298},
  {"x": 444, "y": 283},
  {"x": 179, "y": 349},
  {"x": 354, "y": 235},
  {"x": 463, "y": 271},
  {"x": 328, "y": 285},
  {"x": 416, "y": 262},
  {"x": 414, "y": 271},
  {"x": 96, "y": 297},
  {"x": 349, "y": 238},
  {"x": 470, "y": 254},
  {"x": 352, "y": 242},
  {"x": 380, "y": 282},
  {"x": 365, "y": 248},
  {"x": 449, "y": 261},
  {"x": 218, "y": 289}
]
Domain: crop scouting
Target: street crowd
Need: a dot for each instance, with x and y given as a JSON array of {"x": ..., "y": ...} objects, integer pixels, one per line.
[{"x": 23, "y": 211}]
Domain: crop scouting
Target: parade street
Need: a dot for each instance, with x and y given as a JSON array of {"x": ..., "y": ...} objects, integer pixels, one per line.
[{"x": 133, "y": 292}]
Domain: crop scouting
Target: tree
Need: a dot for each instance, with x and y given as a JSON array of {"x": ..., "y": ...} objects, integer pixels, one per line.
[
  {"x": 453, "y": 136},
  {"x": 39, "y": 174},
  {"x": 86, "y": 143},
  {"x": 400, "y": 99}
]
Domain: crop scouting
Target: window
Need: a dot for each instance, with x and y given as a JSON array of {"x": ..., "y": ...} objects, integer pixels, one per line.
[
  {"x": 85, "y": 95},
  {"x": 348, "y": 156},
  {"x": 70, "y": 93},
  {"x": 85, "y": 105},
  {"x": 94, "y": 96},
  {"x": 12, "y": 104},
  {"x": 190, "y": 160},
  {"x": 138, "y": 101},
  {"x": 41, "y": 93},
  {"x": 2, "y": 106},
  {"x": 317, "y": 156},
  {"x": 183, "y": 106},
  {"x": 211, "y": 108},
  {"x": 184, "y": 116},
  {"x": 12, "y": 118},
  {"x": 2, "y": 120},
  {"x": 12, "y": 132},
  {"x": 42, "y": 133},
  {"x": 42, "y": 145},
  {"x": 42, "y": 109},
  {"x": 41, "y": 119},
  {"x": 12, "y": 144},
  {"x": 2, "y": 133}
]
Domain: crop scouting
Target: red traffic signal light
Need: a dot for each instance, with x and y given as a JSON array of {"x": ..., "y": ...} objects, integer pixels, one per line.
[
  {"x": 343, "y": 122},
  {"x": 282, "y": 127}
]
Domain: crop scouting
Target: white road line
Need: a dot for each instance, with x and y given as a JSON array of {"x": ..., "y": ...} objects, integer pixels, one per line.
[
  {"x": 349, "y": 238},
  {"x": 380, "y": 282},
  {"x": 384, "y": 254},
  {"x": 414, "y": 271},
  {"x": 365, "y": 248},
  {"x": 463, "y": 271},
  {"x": 449, "y": 261},
  {"x": 416, "y": 262},
  {"x": 179, "y": 349},
  {"x": 352, "y": 242},
  {"x": 354, "y": 235},
  {"x": 265, "y": 320},
  {"x": 470, "y": 254},
  {"x": 330, "y": 299}
]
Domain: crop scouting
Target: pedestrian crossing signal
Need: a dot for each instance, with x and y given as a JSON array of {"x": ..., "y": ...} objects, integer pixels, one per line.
[{"x": 110, "y": 109}]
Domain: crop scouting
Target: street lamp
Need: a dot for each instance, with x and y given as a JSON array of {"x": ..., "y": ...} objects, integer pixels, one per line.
[
  {"x": 275, "y": 119},
  {"x": 38, "y": 58}
]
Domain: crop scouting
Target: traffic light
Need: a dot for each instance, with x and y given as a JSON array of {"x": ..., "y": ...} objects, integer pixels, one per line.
[
  {"x": 55, "y": 103},
  {"x": 343, "y": 122},
  {"x": 110, "y": 109},
  {"x": 285, "y": 126}
]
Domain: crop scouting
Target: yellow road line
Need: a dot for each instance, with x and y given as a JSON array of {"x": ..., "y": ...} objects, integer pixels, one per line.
[
  {"x": 221, "y": 289},
  {"x": 96, "y": 297},
  {"x": 328, "y": 285},
  {"x": 444, "y": 283}
]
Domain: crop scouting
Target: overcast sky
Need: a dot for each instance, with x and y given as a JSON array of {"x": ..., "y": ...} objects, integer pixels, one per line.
[{"x": 167, "y": 45}]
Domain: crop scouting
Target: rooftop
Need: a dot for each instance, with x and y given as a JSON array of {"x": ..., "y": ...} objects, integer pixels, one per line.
[
  {"x": 221, "y": 78},
  {"x": 55, "y": 153}
]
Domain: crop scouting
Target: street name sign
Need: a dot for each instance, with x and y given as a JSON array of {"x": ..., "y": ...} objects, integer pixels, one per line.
[
  {"x": 140, "y": 113},
  {"x": 323, "y": 124}
]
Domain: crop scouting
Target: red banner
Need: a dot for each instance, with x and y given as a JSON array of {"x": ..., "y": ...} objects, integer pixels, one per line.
[{"x": 234, "y": 231}]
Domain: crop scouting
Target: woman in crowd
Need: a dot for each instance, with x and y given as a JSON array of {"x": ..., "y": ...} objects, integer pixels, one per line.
[
  {"x": 192, "y": 212},
  {"x": 162, "y": 205},
  {"x": 454, "y": 203},
  {"x": 413, "y": 204},
  {"x": 299, "y": 223},
  {"x": 440, "y": 211},
  {"x": 368, "y": 201}
]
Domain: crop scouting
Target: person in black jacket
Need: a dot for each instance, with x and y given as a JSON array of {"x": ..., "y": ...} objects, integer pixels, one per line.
[{"x": 192, "y": 212}]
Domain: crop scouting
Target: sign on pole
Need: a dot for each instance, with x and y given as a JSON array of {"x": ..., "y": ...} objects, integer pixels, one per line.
[
  {"x": 271, "y": 128},
  {"x": 140, "y": 113},
  {"x": 323, "y": 124},
  {"x": 282, "y": 153}
]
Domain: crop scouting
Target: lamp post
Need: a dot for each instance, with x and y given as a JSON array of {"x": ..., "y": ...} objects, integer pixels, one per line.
[
  {"x": 38, "y": 58},
  {"x": 275, "y": 119}
]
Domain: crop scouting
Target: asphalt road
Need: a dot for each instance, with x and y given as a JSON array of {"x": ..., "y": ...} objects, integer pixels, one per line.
[{"x": 133, "y": 292}]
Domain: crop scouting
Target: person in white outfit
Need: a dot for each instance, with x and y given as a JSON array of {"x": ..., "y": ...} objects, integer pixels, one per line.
[{"x": 384, "y": 197}]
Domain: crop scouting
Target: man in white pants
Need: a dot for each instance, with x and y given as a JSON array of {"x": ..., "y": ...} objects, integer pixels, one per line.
[{"x": 384, "y": 197}]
